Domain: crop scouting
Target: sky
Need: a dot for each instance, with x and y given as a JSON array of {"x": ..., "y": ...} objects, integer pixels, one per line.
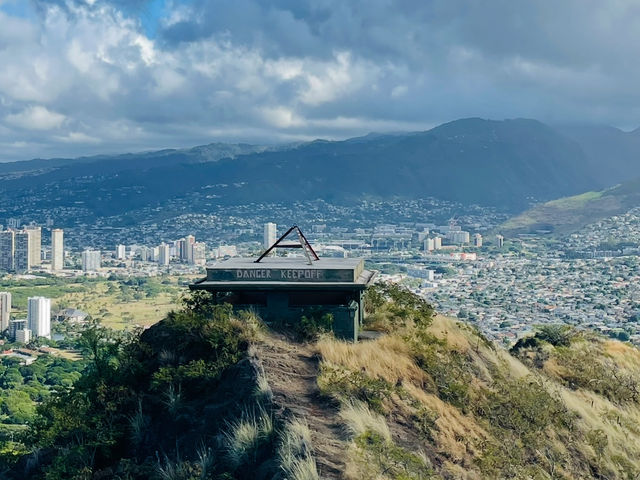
[{"x": 81, "y": 77}]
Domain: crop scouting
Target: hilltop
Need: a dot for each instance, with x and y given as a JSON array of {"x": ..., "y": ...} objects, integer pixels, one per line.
[
  {"x": 508, "y": 164},
  {"x": 569, "y": 214},
  {"x": 207, "y": 394}
]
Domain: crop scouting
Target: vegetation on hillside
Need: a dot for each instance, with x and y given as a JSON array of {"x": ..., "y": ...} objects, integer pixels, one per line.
[
  {"x": 434, "y": 399},
  {"x": 159, "y": 403},
  {"x": 189, "y": 399}
]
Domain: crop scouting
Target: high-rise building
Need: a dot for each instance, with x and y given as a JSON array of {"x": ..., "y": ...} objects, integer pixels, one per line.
[
  {"x": 500, "y": 241},
  {"x": 437, "y": 243},
  {"x": 13, "y": 223},
  {"x": 429, "y": 245},
  {"x": 458, "y": 236},
  {"x": 190, "y": 242},
  {"x": 39, "y": 316},
  {"x": 15, "y": 325},
  {"x": 57, "y": 249},
  {"x": 146, "y": 254},
  {"x": 477, "y": 240},
  {"x": 269, "y": 235},
  {"x": 91, "y": 260},
  {"x": 7, "y": 250},
  {"x": 164, "y": 254},
  {"x": 121, "y": 252},
  {"x": 22, "y": 252},
  {"x": 23, "y": 336},
  {"x": 35, "y": 245},
  {"x": 5, "y": 310},
  {"x": 199, "y": 252}
]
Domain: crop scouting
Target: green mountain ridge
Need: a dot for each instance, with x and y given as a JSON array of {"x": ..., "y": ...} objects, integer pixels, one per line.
[
  {"x": 569, "y": 214},
  {"x": 509, "y": 164}
]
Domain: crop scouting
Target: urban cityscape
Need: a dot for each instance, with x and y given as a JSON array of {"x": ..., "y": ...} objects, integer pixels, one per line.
[{"x": 505, "y": 286}]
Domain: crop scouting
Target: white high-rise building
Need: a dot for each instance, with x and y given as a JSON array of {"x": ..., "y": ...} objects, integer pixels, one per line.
[
  {"x": 477, "y": 240},
  {"x": 198, "y": 253},
  {"x": 91, "y": 260},
  {"x": 499, "y": 241},
  {"x": 269, "y": 235},
  {"x": 121, "y": 252},
  {"x": 429, "y": 245},
  {"x": 458, "y": 236},
  {"x": 35, "y": 245},
  {"x": 5, "y": 310},
  {"x": 186, "y": 251},
  {"x": 164, "y": 254},
  {"x": 57, "y": 249},
  {"x": 23, "y": 336},
  {"x": 39, "y": 316}
]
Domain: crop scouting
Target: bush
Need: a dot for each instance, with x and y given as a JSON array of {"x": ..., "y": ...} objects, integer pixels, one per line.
[
  {"x": 381, "y": 458},
  {"x": 313, "y": 323},
  {"x": 557, "y": 335},
  {"x": 524, "y": 407},
  {"x": 389, "y": 307},
  {"x": 450, "y": 370}
]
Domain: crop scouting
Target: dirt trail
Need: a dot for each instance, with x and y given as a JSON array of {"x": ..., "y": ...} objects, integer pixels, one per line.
[{"x": 291, "y": 371}]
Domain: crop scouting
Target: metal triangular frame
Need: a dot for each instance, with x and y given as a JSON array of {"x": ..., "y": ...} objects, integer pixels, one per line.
[{"x": 304, "y": 244}]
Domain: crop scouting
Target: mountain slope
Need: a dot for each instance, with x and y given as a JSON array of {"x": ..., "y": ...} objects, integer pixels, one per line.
[
  {"x": 569, "y": 214},
  {"x": 614, "y": 154},
  {"x": 508, "y": 164}
]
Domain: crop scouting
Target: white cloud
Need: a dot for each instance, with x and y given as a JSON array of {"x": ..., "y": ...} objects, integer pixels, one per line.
[
  {"x": 304, "y": 69},
  {"x": 281, "y": 117},
  {"x": 36, "y": 118},
  {"x": 78, "y": 137}
]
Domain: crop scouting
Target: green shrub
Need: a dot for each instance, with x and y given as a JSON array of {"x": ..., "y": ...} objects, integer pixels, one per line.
[
  {"x": 557, "y": 335},
  {"x": 381, "y": 458},
  {"x": 388, "y": 307},
  {"x": 524, "y": 407},
  {"x": 450, "y": 370},
  {"x": 313, "y": 323}
]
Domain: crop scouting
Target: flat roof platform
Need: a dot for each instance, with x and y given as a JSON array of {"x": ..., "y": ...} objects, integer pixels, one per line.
[{"x": 286, "y": 272}]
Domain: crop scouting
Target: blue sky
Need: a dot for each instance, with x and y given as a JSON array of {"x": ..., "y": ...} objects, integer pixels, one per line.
[{"x": 94, "y": 76}]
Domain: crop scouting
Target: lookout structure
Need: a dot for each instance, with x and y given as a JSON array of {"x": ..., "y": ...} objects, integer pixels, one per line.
[{"x": 283, "y": 289}]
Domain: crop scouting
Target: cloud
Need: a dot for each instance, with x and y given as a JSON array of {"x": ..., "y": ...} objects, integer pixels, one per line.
[
  {"x": 35, "y": 118},
  {"x": 81, "y": 77}
]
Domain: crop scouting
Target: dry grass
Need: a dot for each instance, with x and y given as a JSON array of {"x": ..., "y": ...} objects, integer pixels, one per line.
[
  {"x": 619, "y": 424},
  {"x": 295, "y": 452},
  {"x": 387, "y": 358},
  {"x": 459, "y": 437},
  {"x": 359, "y": 418},
  {"x": 623, "y": 354},
  {"x": 444, "y": 328},
  {"x": 116, "y": 314}
]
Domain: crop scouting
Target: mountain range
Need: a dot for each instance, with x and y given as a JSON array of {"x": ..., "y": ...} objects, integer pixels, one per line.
[{"x": 510, "y": 164}]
